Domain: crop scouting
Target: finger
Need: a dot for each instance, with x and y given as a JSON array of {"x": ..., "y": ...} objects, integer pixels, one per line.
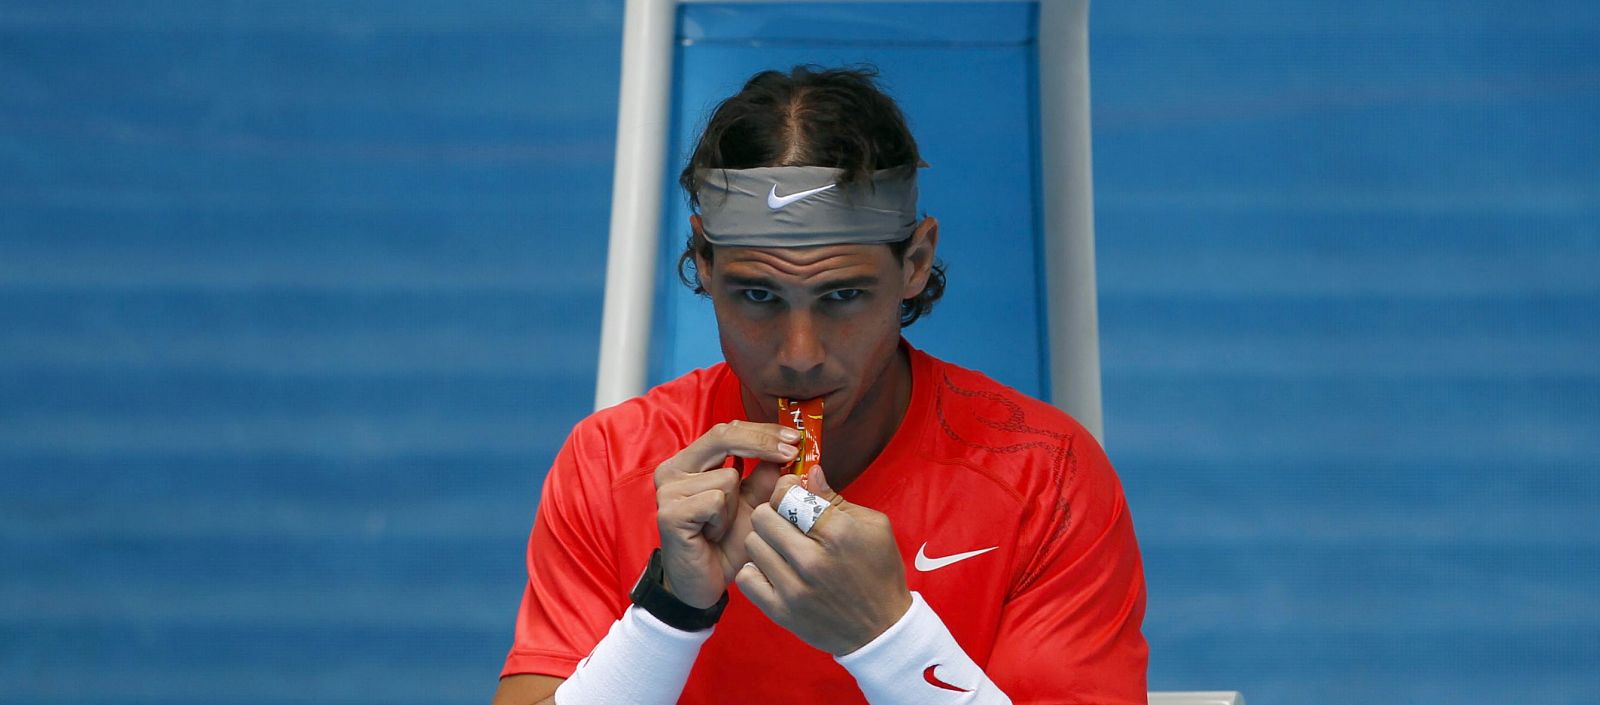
[
  {"x": 775, "y": 568},
  {"x": 781, "y": 488},
  {"x": 715, "y": 529},
  {"x": 816, "y": 482},
  {"x": 800, "y": 507},
  {"x": 725, "y": 479},
  {"x": 758, "y": 486},
  {"x": 784, "y": 538},
  {"x": 830, "y": 525},
  {"x": 741, "y": 438},
  {"x": 730, "y": 509},
  {"x": 699, "y": 512},
  {"x": 753, "y": 584}
]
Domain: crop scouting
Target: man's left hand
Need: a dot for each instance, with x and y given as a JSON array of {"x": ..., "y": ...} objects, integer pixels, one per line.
[{"x": 838, "y": 587}]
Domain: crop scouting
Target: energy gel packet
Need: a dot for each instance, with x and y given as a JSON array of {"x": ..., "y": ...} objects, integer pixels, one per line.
[{"x": 805, "y": 417}]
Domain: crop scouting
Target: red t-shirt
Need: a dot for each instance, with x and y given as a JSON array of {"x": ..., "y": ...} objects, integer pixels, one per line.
[{"x": 1052, "y": 615}]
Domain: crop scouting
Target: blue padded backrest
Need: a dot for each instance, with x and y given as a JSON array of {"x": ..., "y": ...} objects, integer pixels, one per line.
[{"x": 966, "y": 76}]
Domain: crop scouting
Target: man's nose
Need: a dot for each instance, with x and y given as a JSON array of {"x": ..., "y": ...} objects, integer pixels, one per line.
[{"x": 801, "y": 351}]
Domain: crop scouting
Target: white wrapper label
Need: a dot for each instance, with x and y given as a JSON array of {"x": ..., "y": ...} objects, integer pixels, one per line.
[{"x": 801, "y": 508}]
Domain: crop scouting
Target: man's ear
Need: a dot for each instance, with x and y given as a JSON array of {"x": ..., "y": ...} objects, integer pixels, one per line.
[{"x": 917, "y": 262}]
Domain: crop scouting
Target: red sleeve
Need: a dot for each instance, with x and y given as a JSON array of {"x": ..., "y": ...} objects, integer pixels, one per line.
[
  {"x": 571, "y": 597},
  {"x": 1070, "y": 632}
]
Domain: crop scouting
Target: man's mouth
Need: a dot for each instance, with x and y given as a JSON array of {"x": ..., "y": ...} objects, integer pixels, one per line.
[{"x": 803, "y": 395}]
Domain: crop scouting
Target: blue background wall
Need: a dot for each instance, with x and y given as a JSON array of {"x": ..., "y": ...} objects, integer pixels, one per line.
[
  {"x": 297, "y": 300},
  {"x": 1351, "y": 331}
]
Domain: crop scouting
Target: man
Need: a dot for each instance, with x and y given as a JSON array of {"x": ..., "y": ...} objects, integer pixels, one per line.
[{"x": 960, "y": 543}]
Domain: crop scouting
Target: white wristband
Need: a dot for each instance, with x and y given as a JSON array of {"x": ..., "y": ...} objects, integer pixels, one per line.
[
  {"x": 918, "y": 661},
  {"x": 641, "y": 661}
]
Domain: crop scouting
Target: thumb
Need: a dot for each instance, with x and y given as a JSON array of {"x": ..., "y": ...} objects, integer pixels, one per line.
[{"x": 817, "y": 484}]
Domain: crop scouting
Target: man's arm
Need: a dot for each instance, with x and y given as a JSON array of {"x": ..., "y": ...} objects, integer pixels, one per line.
[
  {"x": 829, "y": 572},
  {"x": 1071, "y": 633},
  {"x": 527, "y": 689},
  {"x": 700, "y": 509},
  {"x": 1072, "y": 630}
]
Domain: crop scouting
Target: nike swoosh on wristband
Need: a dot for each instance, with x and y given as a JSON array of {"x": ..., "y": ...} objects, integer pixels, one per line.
[
  {"x": 933, "y": 680},
  {"x": 774, "y": 201},
  {"x": 925, "y": 564}
]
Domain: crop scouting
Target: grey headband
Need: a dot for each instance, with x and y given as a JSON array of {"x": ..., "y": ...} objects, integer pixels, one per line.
[{"x": 799, "y": 206}]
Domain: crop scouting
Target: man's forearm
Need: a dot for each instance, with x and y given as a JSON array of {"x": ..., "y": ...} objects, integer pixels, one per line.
[
  {"x": 641, "y": 661},
  {"x": 918, "y": 661}
]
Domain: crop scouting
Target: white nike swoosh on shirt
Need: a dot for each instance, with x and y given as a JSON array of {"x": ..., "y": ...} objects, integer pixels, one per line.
[
  {"x": 925, "y": 564},
  {"x": 774, "y": 201}
]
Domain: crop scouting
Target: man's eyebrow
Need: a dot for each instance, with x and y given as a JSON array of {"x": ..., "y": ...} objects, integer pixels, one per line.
[
  {"x": 860, "y": 282},
  {"x": 857, "y": 282},
  {"x": 756, "y": 282}
]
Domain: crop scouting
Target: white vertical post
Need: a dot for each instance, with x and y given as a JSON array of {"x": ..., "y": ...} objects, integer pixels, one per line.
[
  {"x": 642, "y": 124},
  {"x": 1067, "y": 188}
]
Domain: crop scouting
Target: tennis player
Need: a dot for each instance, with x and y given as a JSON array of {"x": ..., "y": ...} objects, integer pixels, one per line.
[{"x": 960, "y": 543}]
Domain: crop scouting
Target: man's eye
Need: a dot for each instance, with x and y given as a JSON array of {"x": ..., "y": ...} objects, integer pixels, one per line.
[
  {"x": 757, "y": 296},
  {"x": 843, "y": 295}
]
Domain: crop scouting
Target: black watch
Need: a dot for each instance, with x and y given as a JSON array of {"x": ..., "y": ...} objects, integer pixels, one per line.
[{"x": 651, "y": 595}]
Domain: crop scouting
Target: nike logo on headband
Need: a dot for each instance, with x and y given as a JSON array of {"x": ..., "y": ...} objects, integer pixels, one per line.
[{"x": 774, "y": 201}]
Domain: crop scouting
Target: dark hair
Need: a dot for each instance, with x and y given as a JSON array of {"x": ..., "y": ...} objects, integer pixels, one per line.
[{"x": 836, "y": 118}]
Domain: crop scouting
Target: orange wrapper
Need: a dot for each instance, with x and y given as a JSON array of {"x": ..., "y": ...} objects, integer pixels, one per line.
[{"x": 805, "y": 417}]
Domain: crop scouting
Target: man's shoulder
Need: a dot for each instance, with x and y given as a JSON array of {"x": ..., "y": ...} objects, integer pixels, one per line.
[
  {"x": 1041, "y": 455},
  {"x": 981, "y": 421},
  {"x": 970, "y": 401},
  {"x": 646, "y": 429}
]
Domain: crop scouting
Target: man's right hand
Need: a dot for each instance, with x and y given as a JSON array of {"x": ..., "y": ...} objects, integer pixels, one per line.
[{"x": 703, "y": 509}]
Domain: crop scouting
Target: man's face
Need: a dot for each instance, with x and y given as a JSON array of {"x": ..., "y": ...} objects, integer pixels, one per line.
[{"x": 805, "y": 322}]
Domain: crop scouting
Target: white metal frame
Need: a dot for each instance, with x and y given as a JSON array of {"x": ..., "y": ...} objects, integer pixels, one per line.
[
  {"x": 1067, "y": 188},
  {"x": 643, "y": 119},
  {"x": 1066, "y": 183}
]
